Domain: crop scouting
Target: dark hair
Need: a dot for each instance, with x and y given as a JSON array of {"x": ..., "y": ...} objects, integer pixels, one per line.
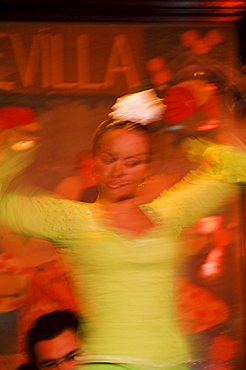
[
  {"x": 48, "y": 326},
  {"x": 111, "y": 124},
  {"x": 28, "y": 366}
]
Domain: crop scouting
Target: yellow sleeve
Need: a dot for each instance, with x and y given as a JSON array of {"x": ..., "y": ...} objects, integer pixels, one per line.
[
  {"x": 202, "y": 191},
  {"x": 30, "y": 213}
]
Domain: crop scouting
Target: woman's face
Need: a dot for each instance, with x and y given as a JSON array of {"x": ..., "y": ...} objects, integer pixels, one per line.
[{"x": 121, "y": 163}]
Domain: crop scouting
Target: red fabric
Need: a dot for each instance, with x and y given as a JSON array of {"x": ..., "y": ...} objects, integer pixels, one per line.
[
  {"x": 11, "y": 116},
  {"x": 223, "y": 348},
  {"x": 198, "y": 309},
  {"x": 181, "y": 103},
  {"x": 212, "y": 105}
]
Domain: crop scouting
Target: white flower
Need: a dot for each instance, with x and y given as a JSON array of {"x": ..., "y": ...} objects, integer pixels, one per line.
[{"x": 143, "y": 107}]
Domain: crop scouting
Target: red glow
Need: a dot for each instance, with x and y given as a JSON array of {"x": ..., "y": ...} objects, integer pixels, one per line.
[
  {"x": 208, "y": 225},
  {"x": 212, "y": 265},
  {"x": 223, "y": 348}
]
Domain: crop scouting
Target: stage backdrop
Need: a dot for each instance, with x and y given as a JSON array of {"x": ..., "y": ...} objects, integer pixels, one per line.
[{"x": 70, "y": 75}]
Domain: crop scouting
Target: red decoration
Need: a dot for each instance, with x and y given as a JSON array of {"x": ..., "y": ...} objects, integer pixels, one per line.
[
  {"x": 188, "y": 97},
  {"x": 223, "y": 348},
  {"x": 11, "y": 116},
  {"x": 199, "y": 44},
  {"x": 181, "y": 103},
  {"x": 197, "y": 308}
]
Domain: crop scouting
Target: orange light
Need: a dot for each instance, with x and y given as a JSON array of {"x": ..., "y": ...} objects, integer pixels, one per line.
[{"x": 208, "y": 225}]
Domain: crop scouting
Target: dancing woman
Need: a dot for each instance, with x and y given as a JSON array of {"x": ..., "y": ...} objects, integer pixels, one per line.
[{"x": 122, "y": 253}]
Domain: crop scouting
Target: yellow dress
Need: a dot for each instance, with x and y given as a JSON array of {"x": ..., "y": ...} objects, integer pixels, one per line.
[{"x": 126, "y": 282}]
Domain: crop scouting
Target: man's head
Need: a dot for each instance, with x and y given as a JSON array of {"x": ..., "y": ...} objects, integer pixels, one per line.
[{"x": 53, "y": 341}]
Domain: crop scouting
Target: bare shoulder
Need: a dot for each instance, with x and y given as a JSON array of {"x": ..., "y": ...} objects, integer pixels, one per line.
[{"x": 69, "y": 188}]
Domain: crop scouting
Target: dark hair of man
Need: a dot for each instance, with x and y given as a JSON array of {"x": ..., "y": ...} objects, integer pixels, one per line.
[
  {"x": 48, "y": 326},
  {"x": 28, "y": 366}
]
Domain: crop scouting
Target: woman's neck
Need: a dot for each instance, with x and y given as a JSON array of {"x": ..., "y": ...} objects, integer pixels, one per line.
[{"x": 125, "y": 215}]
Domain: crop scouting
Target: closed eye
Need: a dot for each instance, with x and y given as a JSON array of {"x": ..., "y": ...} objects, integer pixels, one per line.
[
  {"x": 134, "y": 163},
  {"x": 107, "y": 159}
]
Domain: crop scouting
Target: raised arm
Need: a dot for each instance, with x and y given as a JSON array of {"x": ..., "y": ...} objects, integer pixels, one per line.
[
  {"x": 27, "y": 212},
  {"x": 205, "y": 190}
]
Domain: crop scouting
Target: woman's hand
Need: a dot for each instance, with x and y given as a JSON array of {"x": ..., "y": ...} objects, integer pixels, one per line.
[
  {"x": 24, "y": 137},
  {"x": 19, "y": 128}
]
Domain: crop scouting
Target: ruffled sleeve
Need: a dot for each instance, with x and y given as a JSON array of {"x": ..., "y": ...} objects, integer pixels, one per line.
[
  {"x": 205, "y": 190},
  {"x": 28, "y": 212},
  {"x": 223, "y": 162}
]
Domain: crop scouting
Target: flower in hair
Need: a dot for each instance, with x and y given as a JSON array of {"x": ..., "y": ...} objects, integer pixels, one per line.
[{"x": 143, "y": 107}]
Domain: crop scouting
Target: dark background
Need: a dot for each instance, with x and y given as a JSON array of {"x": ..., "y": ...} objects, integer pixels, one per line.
[
  {"x": 129, "y": 11},
  {"x": 120, "y": 10}
]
